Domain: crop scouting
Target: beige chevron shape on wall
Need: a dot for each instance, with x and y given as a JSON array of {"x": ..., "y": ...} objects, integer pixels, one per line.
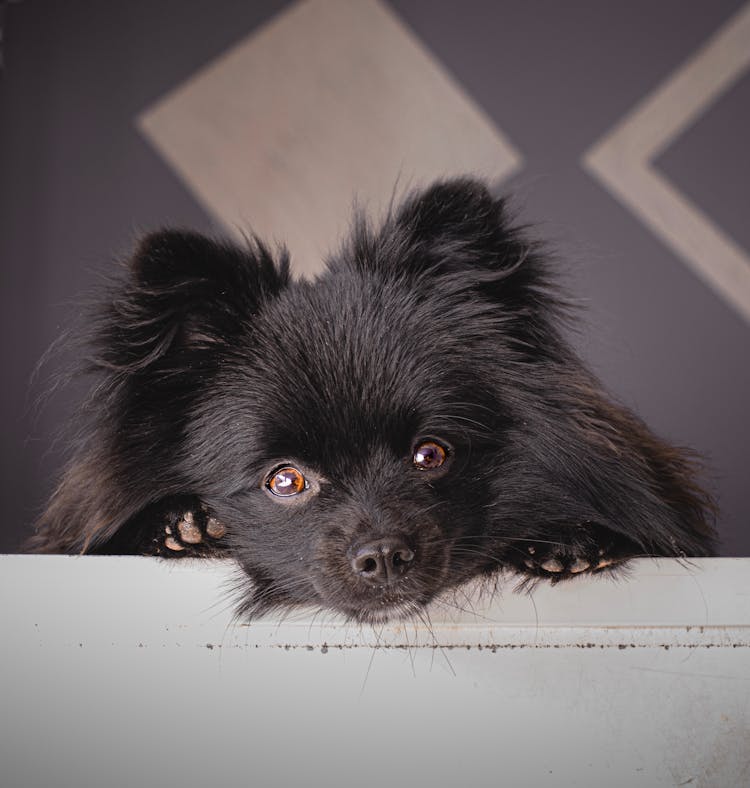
[{"x": 623, "y": 161}]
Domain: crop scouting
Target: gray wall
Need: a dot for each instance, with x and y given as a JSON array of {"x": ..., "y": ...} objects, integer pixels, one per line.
[{"x": 78, "y": 180}]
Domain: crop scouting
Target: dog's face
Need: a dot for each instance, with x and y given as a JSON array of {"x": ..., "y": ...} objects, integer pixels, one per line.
[{"x": 362, "y": 446}]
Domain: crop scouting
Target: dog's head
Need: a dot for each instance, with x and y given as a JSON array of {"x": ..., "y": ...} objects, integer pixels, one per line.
[{"x": 349, "y": 434}]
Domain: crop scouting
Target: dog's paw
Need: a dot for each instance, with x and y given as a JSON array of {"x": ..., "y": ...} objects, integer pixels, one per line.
[
  {"x": 558, "y": 562},
  {"x": 584, "y": 549},
  {"x": 189, "y": 533}
]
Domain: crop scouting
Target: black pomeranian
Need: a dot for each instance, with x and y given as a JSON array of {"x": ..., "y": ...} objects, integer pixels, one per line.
[{"x": 410, "y": 420}]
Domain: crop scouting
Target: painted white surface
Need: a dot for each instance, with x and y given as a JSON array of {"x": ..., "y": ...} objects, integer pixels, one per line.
[{"x": 130, "y": 672}]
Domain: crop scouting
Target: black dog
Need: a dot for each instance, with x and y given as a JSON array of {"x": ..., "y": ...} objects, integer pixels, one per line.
[{"x": 408, "y": 421}]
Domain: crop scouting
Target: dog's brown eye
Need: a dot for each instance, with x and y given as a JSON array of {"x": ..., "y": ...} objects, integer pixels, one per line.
[
  {"x": 429, "y": 455},
  {"x": 286, "y": 481}
]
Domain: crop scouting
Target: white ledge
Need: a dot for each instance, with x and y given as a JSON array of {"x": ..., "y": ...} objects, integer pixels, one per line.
[
  {"x": 124, "y": 600},
  {"x": 122, "y": 671}
]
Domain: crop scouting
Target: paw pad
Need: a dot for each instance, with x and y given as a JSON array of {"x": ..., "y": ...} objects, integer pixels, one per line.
[
  {"x": 188, "y": 530},
  {"x": 170, "y": 542},
  {"x": 559, "y": 560},
  {"x": 215, "y": 529},
  {"x": 191, "y": 533}
]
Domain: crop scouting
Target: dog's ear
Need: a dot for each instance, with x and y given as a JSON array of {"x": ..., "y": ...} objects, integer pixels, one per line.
[
  {"x": 458, "y": 214},
  {"x": 184, "y": 293},
  {"x": 156, "y": 341},
  {"x": 460, "y": 237}
]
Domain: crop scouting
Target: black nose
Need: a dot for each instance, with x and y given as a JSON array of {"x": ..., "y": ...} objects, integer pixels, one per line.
[{"x": 383, "y": 560}]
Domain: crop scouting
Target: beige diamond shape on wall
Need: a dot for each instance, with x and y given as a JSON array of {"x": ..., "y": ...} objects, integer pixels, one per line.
[{"x": 332, "y": 101}]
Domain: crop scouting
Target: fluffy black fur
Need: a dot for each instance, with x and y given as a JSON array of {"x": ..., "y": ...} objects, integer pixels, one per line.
[{"x": 214, "y": 368}]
